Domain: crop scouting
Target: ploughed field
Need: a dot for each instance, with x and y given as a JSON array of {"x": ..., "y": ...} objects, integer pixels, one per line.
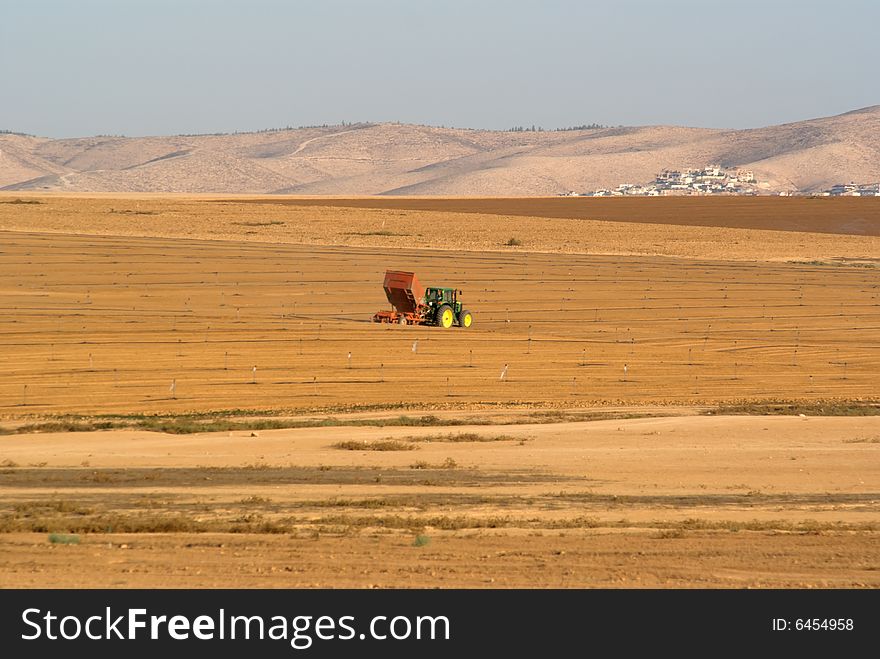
[
  {"x": 188, "y": 397},
  {"x": 842, "y": 215},
  {"x": 102, "y": 324}
]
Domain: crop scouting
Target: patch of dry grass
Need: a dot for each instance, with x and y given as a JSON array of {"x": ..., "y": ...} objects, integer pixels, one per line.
[
  {"x": 448, "y": 463},
  {"x": 379, "y": 445},
  {"x": 461, "y": 437},
  {"x": 820, "y": 408},
  {"x": 863, "y": 440}
]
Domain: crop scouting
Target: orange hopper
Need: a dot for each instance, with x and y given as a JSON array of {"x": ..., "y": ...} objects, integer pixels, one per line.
[{"x": 406, "y": 295}]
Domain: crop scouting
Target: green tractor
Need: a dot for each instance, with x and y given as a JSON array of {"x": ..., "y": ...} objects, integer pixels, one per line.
[{"x": 445, "y": 309}]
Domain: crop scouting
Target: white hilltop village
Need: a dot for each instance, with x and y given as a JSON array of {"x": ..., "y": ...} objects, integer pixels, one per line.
[{"x": 715, "y": 180}]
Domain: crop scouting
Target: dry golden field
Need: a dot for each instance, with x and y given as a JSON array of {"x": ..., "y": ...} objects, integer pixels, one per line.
[
  {"x": 606, "y": 456},
  {"x": 102, "y": 324}
]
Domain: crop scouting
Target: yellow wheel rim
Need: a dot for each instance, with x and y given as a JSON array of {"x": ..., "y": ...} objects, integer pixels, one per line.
[
  {"x": 467, "y": 320},
  {"x": 446, "y": 320}
]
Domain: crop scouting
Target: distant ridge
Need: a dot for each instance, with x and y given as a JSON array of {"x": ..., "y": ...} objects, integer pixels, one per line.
[{"x": 405, "y": 159}]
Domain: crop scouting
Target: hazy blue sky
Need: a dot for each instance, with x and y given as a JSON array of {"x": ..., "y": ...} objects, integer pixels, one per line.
[{"x": 142, "y": 67}]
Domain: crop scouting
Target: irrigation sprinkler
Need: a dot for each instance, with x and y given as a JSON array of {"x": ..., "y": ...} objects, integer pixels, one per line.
[
  {"x": 173, "y": 389},
  {"x": 315, "y": 384},
  {"x": 24, "y": 396},
  {"x": 254, "y": 375},
  {"x": 349, "y": 359},
  {"x": 415, "y": 346},
  {"x": 448, "y": 388},
  {"x": 625, "y": 370},
  {"x": 381, "y": 372},
  {"x": 574, "y": 383},
  {"x": 208, "y": 329},
  {"x": 470, "y": 358},
  {"x": 529, "y": 346},
  {"x": 226, "y": 361},
  {"x": 91, "y": 362},
  {"x": 503, "y": 373}
]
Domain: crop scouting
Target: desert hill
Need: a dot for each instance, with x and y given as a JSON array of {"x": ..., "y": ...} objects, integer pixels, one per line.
[{"x": 399, "y": 159}]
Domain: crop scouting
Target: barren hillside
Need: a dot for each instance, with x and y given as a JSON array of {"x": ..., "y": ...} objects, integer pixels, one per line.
[{"x": 406, "y": 159}]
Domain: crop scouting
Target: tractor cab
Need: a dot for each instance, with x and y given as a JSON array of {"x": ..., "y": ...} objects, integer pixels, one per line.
[{"x": 437, "y": 296}]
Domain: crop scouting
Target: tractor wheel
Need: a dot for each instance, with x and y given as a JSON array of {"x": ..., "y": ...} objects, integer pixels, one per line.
[
  {"x": 465, "y": 318},
  {"x": 402, "y": 320},
  {"x": 445, "y": 316}
]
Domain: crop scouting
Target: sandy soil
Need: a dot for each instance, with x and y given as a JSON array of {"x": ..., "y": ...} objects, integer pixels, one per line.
[
  {"x": 683, "y": 501},
  {"x": 477, "y": 560}
]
